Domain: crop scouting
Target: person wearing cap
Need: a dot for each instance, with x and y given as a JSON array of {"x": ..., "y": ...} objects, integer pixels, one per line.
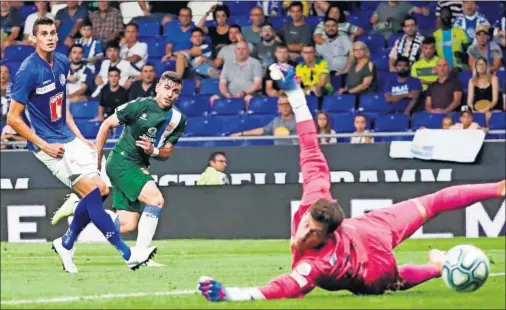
[
  {"x": 471, "y": 19},
  {"x": 485, "y": 48},
  {"x": 466, "y": 120}
]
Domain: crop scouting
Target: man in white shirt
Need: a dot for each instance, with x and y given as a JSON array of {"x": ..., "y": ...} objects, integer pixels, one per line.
[
  {"x": 132, "y": 50},
  {"x": 336, "y": 48},
  {"x": 42, "y": 10}
]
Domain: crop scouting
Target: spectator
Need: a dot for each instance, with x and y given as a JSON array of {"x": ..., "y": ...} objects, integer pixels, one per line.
[
  {"x": 360, "y": 124},
  {"x": 200, "y": 8},
  {"x": 215, "y": 172},
  {"x": 10, "y": 135},
  {"x": 483, "y": 48},
  {"x": 335, "y": 48},
  {"x": 282, "y": 125},
  {"x": 409, "y": 45},
  {"x": 195, "y": 63},
  {"x": 362, "y": 75},
  {"x": 305, "y": 7},
  {"x": 314, "y": 73},
  {"x": 500, "y": 34},
  {"x": 388, "y": 17},
  {"x": 450, "y": 40},
  {"x": 455, "y": 8},
  {"x": 179, "y": 37},
  {"x": 466, "y": 120},
  {"x": 402, "y": 91},
  {"x": 107, "y": 22},
  {"x": 324, "y": 128},
  {"x": 445, "y": 94},
  {"x": 145, "y": 87},
  {"x": 93, "y": 52},
  {"x": 112, "y": 95},
  {"x": 132, "y": 50},
  {"x": 297, "y": 33},
  {"x": 272, "y": 8},
  {"x": 219, "y": 33},
  {"x": 227, "y": 52},
  {"x": 242, "y": 77},
  {"x": 252, "y": 33},
  {"x": 471, "y": 19},
  {"x": 42, "y": 10},
  {"x": 5, "y": 90},
  {"x": 68, "y": 21},
  {"x": 447, "y": 122},
  {"x": 282, "y": 57},
  {"x": 10, "y": 24},
  {"x": 265, "y": 49},
  {"x": 425, "y": 68},
  {"x": 163, "y": 13},
  {"x": 483, "y": 89},
  {"x": 344, "y": 28},
  {"x": 320, "y": 8},
  {"x": 80, "y": 79}
]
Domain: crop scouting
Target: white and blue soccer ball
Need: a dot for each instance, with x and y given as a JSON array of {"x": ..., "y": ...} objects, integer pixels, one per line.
[{"x": 465, "y": 268}]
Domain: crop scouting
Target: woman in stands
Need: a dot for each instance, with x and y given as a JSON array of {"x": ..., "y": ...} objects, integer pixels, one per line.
[
  {"x": 218, "y": 33},
  {"x": 362, "y": 75},
  {"x": 324, "y": 128},
  {"x": 334, "y": 11}
]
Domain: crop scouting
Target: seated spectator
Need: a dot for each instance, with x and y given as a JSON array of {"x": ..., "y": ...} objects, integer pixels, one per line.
[
  {"x": 305, "y": 7},
  {"x": 344, "y": 28},
  {"x": 455, "y": 8},
  {"x": 447, "y": 122},
  {"x": 272, "y": 8},
  {"x": 227, "y": 52},
  {"x": 219, "y": 33},
  {"x": 282, "y": 125},
  {"x": 107, "y": 22},
  {"x": 388, "y": 16},
  {"x": 80, "y": 78},
  {"x": 68, "y": 22},
  {"x": 93, "y": 52},
  {"x": 450, "y": 40},
  {"x": 264, "y": 51},
  {"x": 111, "y": 96},
  {"x": 362, "y": 75},
  {"x": 145, "y": 87},
  {"x": 425, "y": 68},
  {"x": 252, "y": 33},
  {"x": 241, "y": 77},
  {"x": 500, "y": 35},
  {"x": 409, "y": 45},
  {"x": 483, "y": 89},
  {"x": 323, "y": 128},
  {"x": 360, "y": 124},
  {"x": 179, "y": 37},
  {"x": 297, "y": 33},
  {"x": 195, "y": 63},
  {"x": 402, "y": 91},
  {"x": 483, "y": 48},
  {"x": 10, "y": 24},
  {"x": 282, "y": 57},
  {"x": 132, "y": 50},
  {"x": 161, "y": 12},
  {"x": 445, "y": 94},
  {"x": 471, "y": 19},
  {"x": 5, "y": 89},
  {"x": 314, "y": 73},
  {"x": 42, "y": 10},
  {"x": 320, "y": 8},
  {"x": 466, "y": 120},
  {"x": 215, "y": 172},
  {"x": 335, "y": 48},
  {"x": 10, "y": 135}
]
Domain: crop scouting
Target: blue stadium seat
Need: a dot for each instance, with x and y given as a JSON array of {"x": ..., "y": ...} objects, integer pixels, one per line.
[
  {"x": 228, "y": 106},
  {"x": 17, "y": 52},
  {"x": 191, "y": 106},
  {"x": 241, "y": 20},
  {"x": 373, "y": 103},
  {"x": 240, "y": 7},
  {"x": 477, "y": 118},
  {"x": 209, "y": 87},
  {"x": 258, "y": 142},
  {"x": 337, "y": 81},
  {"x": 88, "y": 128},
  {"x": 342, "y": 122},
  {"x": 375, "y": 42},
  {"x": 312, "y": 103},
  {"x": 63, "y": 49},
  {"x": 368, "y": 5},
  {"x": 278, "y": 21},
  {"x": 497, "y": 121},
  {"x": 116, "y": 132},
  {"x": 263, "y": 105},
  {"x": 188, "y": 87},
  {"x": 501, "y": 76},
  {"x": 361, "y": 19},
  {"x": 381, "y": 62},
  {"x": 161, "y": 67},
  {"x": 203, "y": 127},
  {"x": 425, "y": 22},
  {"x": 391, "y": 123},
  {"x": 383, "y": 76},
  {"x": 394, "y": 37},
  {"x": 13, "y": 67},
  {"x": 313, "y": 21},
  {"x": 86, "y": 109},
  {"x": 339, "y": 104},
  {"x": 427, "y": 120},
  {"x": 229, "y": 124},
  {"x": 26, "y": 10},
  {"x": 464, "y": 78},
  {"x": 156, "y": 46},
  {"x": 256, "y": 121},
  {"x": 148, "y": 28}
]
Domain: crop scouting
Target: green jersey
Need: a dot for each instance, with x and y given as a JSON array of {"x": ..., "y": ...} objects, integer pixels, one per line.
[{"x": 143, "y": 117}]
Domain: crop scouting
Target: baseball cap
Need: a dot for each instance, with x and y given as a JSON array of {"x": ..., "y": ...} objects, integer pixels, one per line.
[
  {"x": 482, "y": 28},
  {"x": 466, "y": 109}
]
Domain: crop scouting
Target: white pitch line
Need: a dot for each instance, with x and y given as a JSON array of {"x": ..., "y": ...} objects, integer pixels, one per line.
[{"x": 124, "y": 295}]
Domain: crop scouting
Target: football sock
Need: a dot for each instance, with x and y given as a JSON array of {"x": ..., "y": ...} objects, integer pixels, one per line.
[
  {"x": 298, "y": 102},
  {"x": 117, "y": 225},
  {"x": 104, "y": 223},
  {"x": 79, "y": 222},
  {"x": 412, "y": 275},
  {"x": 147, "y": 225}
]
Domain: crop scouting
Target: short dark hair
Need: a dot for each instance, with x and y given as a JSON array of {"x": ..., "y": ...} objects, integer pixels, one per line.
[
  {"x": 402, "y": 59},
  {"x": 86, "y": 23},
  {"x": 149, "y": 64},
  {"x": 171, "y": 76},
  {"x": 197, "y": 29},
  {"x": 114, "y": 69},
  {"x": 213, "y": 155},
  {"x": 297, "y": 3},
  {"x": 309, "y": 45},
  {"x": 113, "y": 45},
  {"x": 132, "y": 24},
  {"x": 186, "y": 8},
  {"x": 327, "y": 212},
  {"x": 75, "y": 45},
  {"x": 330, "y": 19},
  {"x": 267, "y": 24},
  {"x": 342, "y": 17},
  {"x": 409, "y": 17},
  {"x": 236, "y": 26},
  {"x": 429, "y": 40},
  {"x": 222, "y": 8},
  {"x": 281, "y": 46},
  {"x": 41, "y": 21}
]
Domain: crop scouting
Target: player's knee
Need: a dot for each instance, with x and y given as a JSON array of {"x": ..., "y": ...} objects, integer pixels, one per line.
[
  {"x": 127, "y": 226},
  {"x": 158, "y": 201},
  {"x": 104, "y": 189}
]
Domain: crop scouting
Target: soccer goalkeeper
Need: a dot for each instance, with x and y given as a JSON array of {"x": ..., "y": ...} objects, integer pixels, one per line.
[{"x": 356, "y": 254}]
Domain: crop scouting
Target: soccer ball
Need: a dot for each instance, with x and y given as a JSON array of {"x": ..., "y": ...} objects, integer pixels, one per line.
[{"x": 465, "y": 268}]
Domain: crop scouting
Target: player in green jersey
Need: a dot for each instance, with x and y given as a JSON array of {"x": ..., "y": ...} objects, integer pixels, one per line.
[{"x": 153, "y": 126}]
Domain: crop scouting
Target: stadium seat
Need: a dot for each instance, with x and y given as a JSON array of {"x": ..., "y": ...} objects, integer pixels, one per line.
[
  {"x": 13, "y": 67},
  {"x": 464, "y": 78},
  {"x": 116, "y": 132},
  {"x": 238, "y": 8},
  {"x": 88, "y": 128},
  {"x": 339, "y": 104},
  {"x": 427, "y": 120},
  {"x": 17, "y": 52},
  {"x": 312, "y": 103},
  {"x": 381, "y": 62},
  {"x": 258, "y": 142},
  {"x": 241, "y": 20},
  {"x": 191, "y": 106},
  {"x": 501, "y": 76},
  {"x": 229, "y": 124},
  {"x": 394, "y": 37},
  {"x": 256, "y": 121},
  {"x": 278, "y": 22},
  {"x": 263, "y": 105},
  {"x": 337, "y": 81},
  {"x": 342, "y": 122},
  {"x": 84, "y": 110},
  {"x": 477, "y": 118},
  {"x": 368, "y": 6},
  {"x": 161, "y": 67},
  {"x": 228, "y": 106},
  {"x": 373, "y": 103},
  {"x": 313, "y": 21},
  {"x": 425, "y": 22},
  {"x": 188, "y": 87},
  {"x": 26, "y": 10},
  {"x": 209, "y": 87},
  {"x": 375, "y": 42},
  {"x": 391, "y": 123},
  {"x": 203, "y": 127},
  {"x": 156, "y": 46},
  {"x": 148, "y": 28},
  {"x": 383, "y": 76},
  {"x": 497, "y": 121}
]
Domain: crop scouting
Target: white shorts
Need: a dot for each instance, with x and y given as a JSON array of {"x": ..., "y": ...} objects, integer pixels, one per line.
[{"x": 79, "y": 160}]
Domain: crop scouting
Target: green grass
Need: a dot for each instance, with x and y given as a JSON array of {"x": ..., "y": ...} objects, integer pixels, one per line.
[{"x": 32, "y": 271}]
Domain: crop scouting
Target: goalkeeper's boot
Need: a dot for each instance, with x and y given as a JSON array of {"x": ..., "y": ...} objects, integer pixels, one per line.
[
  {"x": 66, "y": 209},
  {"x": 139, "y": 257},
  {"x": 66, "y": 256}
]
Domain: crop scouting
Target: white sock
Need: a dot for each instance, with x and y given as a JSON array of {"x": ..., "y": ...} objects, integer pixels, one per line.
[
  {"x": 147, "y": 226},
  {"x": 298, "y": 102}
]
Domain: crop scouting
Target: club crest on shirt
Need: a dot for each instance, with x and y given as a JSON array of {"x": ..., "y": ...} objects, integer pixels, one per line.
[
  {"x": 169, "y": 126},
  {"x": 62, "y": 79}
]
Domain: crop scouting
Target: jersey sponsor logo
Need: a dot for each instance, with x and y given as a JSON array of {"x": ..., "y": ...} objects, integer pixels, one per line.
[
  {"x": 56, "y": 106},
  {"x": 63, "y": 79},
  {"x": 303, "y": 269},
  {"x": 45, "y": 89},
  {"x": 169, "y": 126},
  {"x": 144, "y": 117}
]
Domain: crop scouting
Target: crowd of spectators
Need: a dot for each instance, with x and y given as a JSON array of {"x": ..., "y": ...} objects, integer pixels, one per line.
[{"x": 417, "y": 56}]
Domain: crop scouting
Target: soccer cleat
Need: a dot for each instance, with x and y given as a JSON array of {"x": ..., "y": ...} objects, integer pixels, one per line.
[
  {"x": 66, "y": 209},
  {"x": 437, "y": 258},
  {"x": 285, "y": 76},
  {"x": 66, "y": 256},
  {"x": 211, "y": 289},
  {"x": 152, "y": 264},
  {"x": 139, "y": 257}
]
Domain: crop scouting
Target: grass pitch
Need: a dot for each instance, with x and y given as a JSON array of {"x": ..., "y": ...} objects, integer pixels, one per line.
[{"x": 31, "y": 277}]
